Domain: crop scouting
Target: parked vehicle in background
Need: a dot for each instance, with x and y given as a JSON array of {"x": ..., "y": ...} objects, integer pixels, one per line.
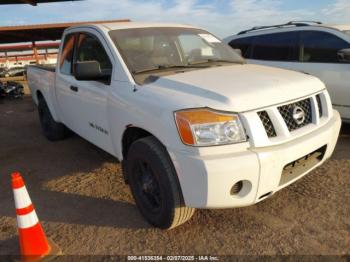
[
  {"x": 14, "y": 71},
  {"x": 311, "y": 47},
  {"x": 11, "y": 90},
  {"x": 193, "y": 124},
  {"x": 2, "y": 70}
]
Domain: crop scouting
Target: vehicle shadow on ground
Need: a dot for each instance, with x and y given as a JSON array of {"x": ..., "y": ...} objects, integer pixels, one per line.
[
  {"x": 342, "y": 147},
  {"x": 70, "y": 208},
  {"x": 345, "y": 129},
  {"x": 40, "y": 161},
  {"x": 9, "y": 246}
]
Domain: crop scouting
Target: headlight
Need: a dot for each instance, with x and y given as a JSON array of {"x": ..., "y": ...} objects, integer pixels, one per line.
[{"x": 205, "y": 127}]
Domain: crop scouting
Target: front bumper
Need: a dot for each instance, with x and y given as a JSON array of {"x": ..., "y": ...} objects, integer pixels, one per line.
[{"x": 206, "y": 179}]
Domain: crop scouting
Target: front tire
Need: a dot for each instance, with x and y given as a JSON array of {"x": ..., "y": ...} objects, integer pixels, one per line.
[
  {"x": 51, "y": 129},
  {"x": 154, "y": 184}
]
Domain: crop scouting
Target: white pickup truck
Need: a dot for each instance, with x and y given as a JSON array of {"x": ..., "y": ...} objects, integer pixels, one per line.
[{"x": 193, "y": 125}]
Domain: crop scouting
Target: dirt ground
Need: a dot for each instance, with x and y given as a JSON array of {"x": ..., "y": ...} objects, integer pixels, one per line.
[{"x": 85, "y": 207}]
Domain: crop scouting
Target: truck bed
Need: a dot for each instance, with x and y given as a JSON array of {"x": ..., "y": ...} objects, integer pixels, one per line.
[
  {"x": 48, "y": 67},
  {"x": 41, "y": 78}
]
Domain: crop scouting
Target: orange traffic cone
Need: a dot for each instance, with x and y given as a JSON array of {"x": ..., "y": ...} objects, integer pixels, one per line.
[{"x": 32, "y": 240}]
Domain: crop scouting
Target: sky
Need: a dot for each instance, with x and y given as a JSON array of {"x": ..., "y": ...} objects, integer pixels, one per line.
[{"x": 221, "y": 17}]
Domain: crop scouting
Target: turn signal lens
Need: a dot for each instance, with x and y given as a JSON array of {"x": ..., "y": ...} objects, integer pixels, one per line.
[{"x": 205, "y": 127}]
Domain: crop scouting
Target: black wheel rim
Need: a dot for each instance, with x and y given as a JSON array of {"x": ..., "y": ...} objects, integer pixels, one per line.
[{"x": 147, "y": 186}]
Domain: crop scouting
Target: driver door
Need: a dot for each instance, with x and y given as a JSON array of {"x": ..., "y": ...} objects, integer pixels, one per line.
[{"x": 84, "y": 105}]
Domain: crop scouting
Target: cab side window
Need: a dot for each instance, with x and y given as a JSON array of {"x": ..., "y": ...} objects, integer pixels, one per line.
[
  {"x": 89, "y": 48},
  {"x": 67, "y": 55},
  {"x": 276, "y": 47},
  {"x": 320, "y": 47}
]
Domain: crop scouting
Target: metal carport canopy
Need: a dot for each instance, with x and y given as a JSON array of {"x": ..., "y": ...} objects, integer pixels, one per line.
[
  {"x": 41, "y": 32},
  {"x": 31, "y": 2}
]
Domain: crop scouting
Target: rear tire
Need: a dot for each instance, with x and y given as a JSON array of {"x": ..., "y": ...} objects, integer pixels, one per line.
[
  {"x": 154, "y": 184},
  {"x": 51, "y": 129}
]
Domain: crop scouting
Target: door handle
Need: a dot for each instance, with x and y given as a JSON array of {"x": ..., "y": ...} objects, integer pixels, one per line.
[{"x": 74, "y": 88}]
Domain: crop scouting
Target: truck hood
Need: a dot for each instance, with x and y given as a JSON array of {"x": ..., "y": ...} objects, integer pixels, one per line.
[{"x": 237, "y": 88}]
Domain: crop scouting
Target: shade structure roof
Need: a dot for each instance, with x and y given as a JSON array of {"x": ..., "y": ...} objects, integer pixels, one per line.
[
  {"x": 23, "y": 47},
  {"x": 31, "y": 2},
  {"x": 41, "y": 32}
]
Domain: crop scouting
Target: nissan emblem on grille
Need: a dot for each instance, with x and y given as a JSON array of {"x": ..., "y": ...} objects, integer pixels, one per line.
[{"x": 298, "y": 115}]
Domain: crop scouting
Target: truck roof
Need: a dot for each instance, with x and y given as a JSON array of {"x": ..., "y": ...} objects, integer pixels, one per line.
[
  {"x": 129, "y": 25},
  {"x": 294, "y": 24}
]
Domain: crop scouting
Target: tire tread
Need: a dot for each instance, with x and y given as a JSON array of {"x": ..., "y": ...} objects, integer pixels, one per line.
[{"x": 181, "y": 213}]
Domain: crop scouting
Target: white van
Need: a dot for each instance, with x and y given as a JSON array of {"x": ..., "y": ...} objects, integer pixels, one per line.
[{"x": 310, "y": 47}]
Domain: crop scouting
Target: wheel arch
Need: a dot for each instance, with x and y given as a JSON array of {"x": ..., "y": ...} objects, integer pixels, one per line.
[
  {"x": 130, "y": 135},
  {"x": 39, "y": 94}
]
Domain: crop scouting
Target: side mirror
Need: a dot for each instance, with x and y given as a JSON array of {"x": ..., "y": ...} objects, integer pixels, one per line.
[
  {"x": 344, "y": 55},
  {"x": 89, "y": 71}
]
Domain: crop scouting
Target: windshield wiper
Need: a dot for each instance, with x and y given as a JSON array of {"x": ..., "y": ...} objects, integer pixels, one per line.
[
  {"x": 161, "y": 67},
  {"x": 204, "y": 61}
]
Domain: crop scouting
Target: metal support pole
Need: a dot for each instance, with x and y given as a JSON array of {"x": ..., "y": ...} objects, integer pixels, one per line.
[
  {"x": 7, "y": 60},
  {"x": 35, "y": 50}
]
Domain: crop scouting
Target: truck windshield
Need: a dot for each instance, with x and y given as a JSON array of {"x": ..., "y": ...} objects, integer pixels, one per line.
[{"x": 152, "y": 50}]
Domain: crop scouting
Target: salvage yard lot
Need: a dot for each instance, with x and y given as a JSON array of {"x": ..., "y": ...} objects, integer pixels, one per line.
[{"x": 86, "y": 208}]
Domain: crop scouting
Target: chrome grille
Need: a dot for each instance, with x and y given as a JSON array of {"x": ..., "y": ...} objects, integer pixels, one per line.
[
  {"x": 287, "y": 113},
  {"x": 266, "y": 121}
]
